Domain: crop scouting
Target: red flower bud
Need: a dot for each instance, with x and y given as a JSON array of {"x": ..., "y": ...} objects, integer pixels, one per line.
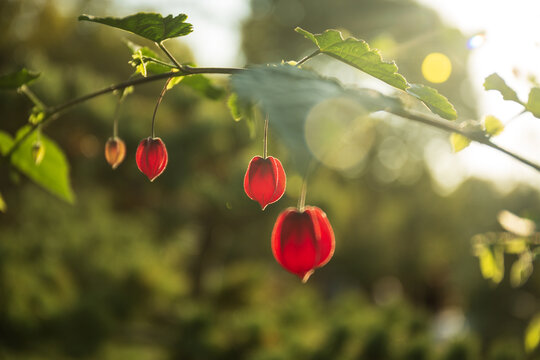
[
  {"x": 265, "y": 180},
  {"x": 151, "y": 157},
  {"x": 302, "y": 241},
  {"x": 115, "y": 151}
]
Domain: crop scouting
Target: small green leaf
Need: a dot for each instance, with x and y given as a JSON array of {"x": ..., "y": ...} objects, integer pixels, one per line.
[
  {"x": 150, "y": 26},
  {"x": 232, "y": 103},
  {"x": 491, "y": 262},
  {"x": 174, "y": 81},
  {"x": 17, "y": 79},
  {"x": 437, "y": 103},
  {"x": 532, "y": 334},
  {"x": 204, "y": 86},
  {"x": 533, "y": 105},
  {"x": 36, "y": 116},
  {"x": 521, "y": 269},
  {"x": 145, "y": 59},
  {"x": 516, "y": 246},
  {"x": 53, "y": 172},
  {"x": 358, "y": 54},
  {"x": 495, "y": 82},
  {"x": 459, "y": 142},
  {"x": 493, "y": 126}
]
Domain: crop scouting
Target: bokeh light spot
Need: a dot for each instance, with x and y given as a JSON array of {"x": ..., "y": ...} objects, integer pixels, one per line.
[
  {"x": 436, "y": 68},
  {"x": 476, "y": 41},
  {"x": 339, "y": 133}
]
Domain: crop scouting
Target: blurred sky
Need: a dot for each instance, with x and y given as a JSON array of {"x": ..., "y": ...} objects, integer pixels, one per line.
[{"x": 511, "y": 48}]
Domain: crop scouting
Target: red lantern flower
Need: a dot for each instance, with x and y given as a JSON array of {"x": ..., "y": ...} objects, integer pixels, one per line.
[
  {"x": 151, "y": 157},
  {"x": 265, "y": 180},
  {"x": 115, "y": 151},
  {"x": 302, "y": 240}
]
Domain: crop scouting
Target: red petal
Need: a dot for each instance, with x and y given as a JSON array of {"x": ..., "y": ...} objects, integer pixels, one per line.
[
  {"x": 327, "y": 242},
  {"x": 152, "y": 157},
  {"x": 264, "y": 180},
  {"x": 302, "y": 241}
]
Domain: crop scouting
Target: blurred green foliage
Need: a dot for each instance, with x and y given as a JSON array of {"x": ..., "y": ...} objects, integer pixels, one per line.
[{"x": 182, "y": 268}]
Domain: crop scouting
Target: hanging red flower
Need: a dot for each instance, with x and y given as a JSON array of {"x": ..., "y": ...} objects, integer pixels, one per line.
[
  {"x": 265, "y": 180},
  {"x": 151, "y": 157},
  {"x": 302, "y": 240}
]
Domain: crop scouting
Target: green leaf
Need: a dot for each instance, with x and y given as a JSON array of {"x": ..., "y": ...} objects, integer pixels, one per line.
[
  {"x": 150, "y": 26},
  {"x": 437, "y": 103},
  {"x": 53, "y": 172},
  {"x": 145, "y": 60},
  {"x": 6, "y": 142},
  {"x": 204, "y": 86},
  {"x": 532, "y": 334},
  {"x": 3, "y": 205},
  {"x": 521, "y": 269},
  {"x": 533, "y": 105},
  {"x": 17, "y": 79},
  {"x": 491, "y": 263},
  {"x": 357, "y": 53},
  {"x": 232, "y": 104},
  {"x": 174, "y": 81},
  {"x": 495, "y": 82},
  {"x": 36, "y": 116},
  {"x": 459, "y": 142},
  {"x": 493, "y": 126}
]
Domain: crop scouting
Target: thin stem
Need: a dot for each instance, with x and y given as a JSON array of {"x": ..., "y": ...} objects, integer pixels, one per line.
[
  {"x": 116, "y": 115},
  {"x": 163, "y": 91},
  {"x": 515, "y": 117},
  {"x": 265, "y": 138},
  {"x": 53, "y": 113},
  {"x": 450, "y": 127},
  {"x": 302, "y": 199},
  {"x": 306, "y": 58},
  {"x": 30, "y": 95},
  {"x": 169, "y": 55}
]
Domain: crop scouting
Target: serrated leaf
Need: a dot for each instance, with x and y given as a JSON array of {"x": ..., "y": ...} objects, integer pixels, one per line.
[
  {"x": 493, "y": 125},
  {"x": 17, "y": 79},
  {"x": 53, "y": 172},
  {"x": 459, "y": 142},
  {"x": 436, "y": 102},
  {"x": 533, "y": 104},
  {"x": 532, "y": 334},
  {"x": 495, "y": 82},
  {"x": 357, "y": 53},
  {"x": 3, "y": 205},
  {"x": 151, "y": 26}
]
